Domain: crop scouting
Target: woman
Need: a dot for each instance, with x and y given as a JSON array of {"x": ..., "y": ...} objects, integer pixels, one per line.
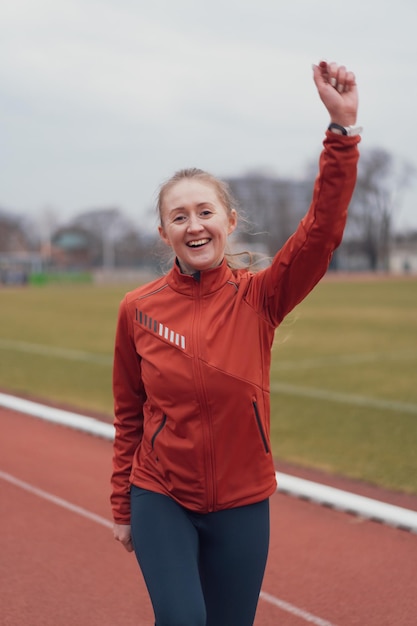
[{"x": 193, "y": 467}]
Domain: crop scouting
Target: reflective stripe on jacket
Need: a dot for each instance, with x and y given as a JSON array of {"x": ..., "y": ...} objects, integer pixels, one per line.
[{"x": 192, "y": 362}]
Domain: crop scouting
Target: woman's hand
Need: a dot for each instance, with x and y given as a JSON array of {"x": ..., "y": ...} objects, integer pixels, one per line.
[
  {"x": 121, "y": 532},
  {"x": 338, "y": 92}
]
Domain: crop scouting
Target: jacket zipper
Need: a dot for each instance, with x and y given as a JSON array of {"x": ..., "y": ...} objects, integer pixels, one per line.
[
  {"x": 206, "y": 424},
  {"x": 261, "y": 429},
  {"x": 158, "y": 430}
]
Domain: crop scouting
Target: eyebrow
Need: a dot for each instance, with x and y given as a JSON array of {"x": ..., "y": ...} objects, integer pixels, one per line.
[{"x": 199, "y": 206}]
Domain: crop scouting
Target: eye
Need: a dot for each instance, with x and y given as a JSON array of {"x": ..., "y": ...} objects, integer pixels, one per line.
[
  {"x": 206, "y": 213},
  {"x": 179, "y": 218}
]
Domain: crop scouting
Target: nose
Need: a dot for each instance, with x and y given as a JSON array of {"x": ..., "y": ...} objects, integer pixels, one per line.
[{"x": 194, "y": 224}]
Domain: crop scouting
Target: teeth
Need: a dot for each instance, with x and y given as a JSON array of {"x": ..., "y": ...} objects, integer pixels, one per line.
[{"x": 195, "y": 244}]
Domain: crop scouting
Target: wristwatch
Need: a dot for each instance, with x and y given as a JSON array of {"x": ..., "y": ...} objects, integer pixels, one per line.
[{"x": 345, "y": 130}]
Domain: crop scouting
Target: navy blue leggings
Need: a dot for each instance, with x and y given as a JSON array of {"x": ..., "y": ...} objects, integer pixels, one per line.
[{"x": 200, "y": 569}]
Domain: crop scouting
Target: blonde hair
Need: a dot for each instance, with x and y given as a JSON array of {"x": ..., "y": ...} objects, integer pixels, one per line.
[{"x": 221, "y": 188}]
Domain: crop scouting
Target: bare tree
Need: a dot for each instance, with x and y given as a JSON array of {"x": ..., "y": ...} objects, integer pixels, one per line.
[
  {"x": 272, "y": 206},
  {"x": 378, "y": 195},
  {"x": 15, "y": 234},
  {"x": 47, "y": 222},
  {"x": 135, "y": 249},
  {"x": 109, "y": 225}
]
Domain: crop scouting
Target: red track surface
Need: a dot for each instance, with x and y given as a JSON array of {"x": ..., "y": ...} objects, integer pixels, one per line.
[{"x": 59, "y": 568}]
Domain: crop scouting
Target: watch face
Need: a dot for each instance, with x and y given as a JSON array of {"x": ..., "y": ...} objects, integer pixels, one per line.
[{"x": 354, "y": 130}]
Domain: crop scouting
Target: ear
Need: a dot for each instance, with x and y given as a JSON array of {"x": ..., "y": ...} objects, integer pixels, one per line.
[
  {"x": 232, "y": 221},
  {"x": 163, "y": 235}
]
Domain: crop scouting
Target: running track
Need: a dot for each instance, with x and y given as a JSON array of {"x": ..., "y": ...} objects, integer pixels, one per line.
[{"x": 59, "y": 565}]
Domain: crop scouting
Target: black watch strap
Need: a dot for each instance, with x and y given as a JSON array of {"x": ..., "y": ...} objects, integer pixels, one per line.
[
  {"x": 334, "y": 126},
  {"x": 345, "y": 130}
]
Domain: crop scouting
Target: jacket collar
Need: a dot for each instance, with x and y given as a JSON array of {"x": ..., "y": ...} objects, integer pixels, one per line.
[{"x": 201, "y": 283}]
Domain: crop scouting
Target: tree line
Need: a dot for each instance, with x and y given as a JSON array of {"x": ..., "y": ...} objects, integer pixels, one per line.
[
  {"x": 274, "y": 206},
  {"x": 270, "y": 207}
]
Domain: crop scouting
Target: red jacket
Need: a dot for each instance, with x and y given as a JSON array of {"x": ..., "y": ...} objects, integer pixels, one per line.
[{"x": 192, "y": 362}]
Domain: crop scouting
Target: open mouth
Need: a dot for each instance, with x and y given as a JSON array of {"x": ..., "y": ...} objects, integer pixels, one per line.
[{"x": 198, "y": 243}]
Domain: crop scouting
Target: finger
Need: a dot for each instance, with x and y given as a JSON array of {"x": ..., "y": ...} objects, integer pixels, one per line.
[
  {"x": 350, "y": 81},
  {"x": 321, "y": 76},
  {"x": 340, "y": 79},
  {"x": 332, "y": 70},
  {"x": 324, "y": 70},
  {"x": 337, "y": 76},
  {"x": 128, "y": 546},
  {"x": 327, "y": 73},
  {"x": 126, "y": 542}
]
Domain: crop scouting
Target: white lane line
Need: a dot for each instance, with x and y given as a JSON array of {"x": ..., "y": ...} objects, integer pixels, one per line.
[
  {"x": 55, "y": 500},
  {"x": 294, "y": 610},
  {"x": 319, "y": 493},
  {"x": 52, "y": 351},
  {"x": 40, "y": 493},
  {"x": 325, "y": 361},
  {"x": 344, "y": 398},
  {"x": 287, "y": 388},
  {"x": 58, "y": 416},
  {"x": 321, "y": 394},
  {"x": 344, "y": 359}
]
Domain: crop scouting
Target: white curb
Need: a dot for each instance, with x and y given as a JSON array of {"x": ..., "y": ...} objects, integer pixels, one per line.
[{"x": 322, "y": 494}]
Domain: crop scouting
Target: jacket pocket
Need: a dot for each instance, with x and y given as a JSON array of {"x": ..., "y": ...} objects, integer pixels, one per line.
[
  {"x": 158, "y": 430},
  {"x": 260, "y": 426}
]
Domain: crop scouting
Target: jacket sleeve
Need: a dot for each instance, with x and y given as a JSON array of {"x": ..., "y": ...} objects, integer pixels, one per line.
[
  {"x": 129, "y": 397},
  {"x": 303, "y": 260}
]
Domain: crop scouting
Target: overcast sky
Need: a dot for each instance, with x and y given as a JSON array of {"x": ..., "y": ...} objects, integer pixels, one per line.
[{"x": 102, "y": 100}]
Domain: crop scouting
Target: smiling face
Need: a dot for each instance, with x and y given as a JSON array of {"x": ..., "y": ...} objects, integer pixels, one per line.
[{"x": 196, "y": 224}]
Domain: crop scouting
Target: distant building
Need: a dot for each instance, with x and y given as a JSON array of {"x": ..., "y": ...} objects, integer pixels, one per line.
[
  {"x": 403, "y": 254},
  {"x": 73, "y": 248},
  {"x": 18, "y": 254}
]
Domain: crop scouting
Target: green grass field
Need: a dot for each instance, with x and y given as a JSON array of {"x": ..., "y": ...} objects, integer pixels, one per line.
[{"x": 343, "y": 380}]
